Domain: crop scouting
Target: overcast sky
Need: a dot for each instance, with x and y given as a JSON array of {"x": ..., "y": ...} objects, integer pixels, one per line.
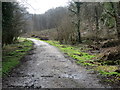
[{"x": 41, "y": 6}]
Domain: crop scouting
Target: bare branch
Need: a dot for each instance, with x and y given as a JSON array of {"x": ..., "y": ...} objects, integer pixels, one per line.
[
  {"x": 109, "y": 13},
  {"x": 72, "y": 10}
]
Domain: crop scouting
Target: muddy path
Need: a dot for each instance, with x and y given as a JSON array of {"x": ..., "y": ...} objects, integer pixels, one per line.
[{"x": 47, "y": 67}]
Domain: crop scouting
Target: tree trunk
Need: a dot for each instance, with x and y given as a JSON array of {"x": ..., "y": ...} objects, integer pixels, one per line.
[{"x": 78, "y": 23}]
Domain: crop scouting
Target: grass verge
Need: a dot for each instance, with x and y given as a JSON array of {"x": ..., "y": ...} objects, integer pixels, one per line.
[{"x": 13, "y": 53}]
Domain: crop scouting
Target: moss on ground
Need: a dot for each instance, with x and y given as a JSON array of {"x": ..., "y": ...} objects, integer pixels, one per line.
[
  {"x": 13, "y": 53},
  {"x": 107, "y": 70}
]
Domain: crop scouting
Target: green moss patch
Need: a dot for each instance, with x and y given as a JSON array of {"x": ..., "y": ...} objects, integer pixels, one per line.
[
  {"x": 107, "y": 70},
  {"x": 13, "y": 53}
]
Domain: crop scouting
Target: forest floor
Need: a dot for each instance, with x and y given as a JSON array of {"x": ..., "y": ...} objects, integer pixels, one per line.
[{"x": 46, "y": 67}]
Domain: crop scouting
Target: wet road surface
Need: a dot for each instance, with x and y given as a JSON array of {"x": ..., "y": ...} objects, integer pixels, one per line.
[{"x": 47, "y": 67}]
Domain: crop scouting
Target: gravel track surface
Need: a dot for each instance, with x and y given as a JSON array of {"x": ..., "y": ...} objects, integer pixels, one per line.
[{"x": 46, "y": 67}]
